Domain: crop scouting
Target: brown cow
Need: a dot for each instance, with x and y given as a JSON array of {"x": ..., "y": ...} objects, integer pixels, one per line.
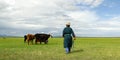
[{"x": 30, "y": 38}]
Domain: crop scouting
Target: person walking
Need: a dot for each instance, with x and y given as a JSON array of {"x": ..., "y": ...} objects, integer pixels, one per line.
[{"x": 68, "y": 35}]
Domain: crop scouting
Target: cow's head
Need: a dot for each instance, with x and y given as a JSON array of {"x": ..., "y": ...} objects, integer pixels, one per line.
[{"x": 50, "y": 35}]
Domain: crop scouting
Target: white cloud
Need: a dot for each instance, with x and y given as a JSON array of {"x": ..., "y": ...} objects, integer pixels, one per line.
[
  {"x": 96, "y": 3},
  {"x": 51, "y": 15},
  {"x": 84, "y": 16},
  {"x": 90, "y": 3}
]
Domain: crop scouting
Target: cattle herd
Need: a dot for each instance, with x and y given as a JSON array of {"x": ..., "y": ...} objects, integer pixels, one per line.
[{"x": 29, "y": 38}]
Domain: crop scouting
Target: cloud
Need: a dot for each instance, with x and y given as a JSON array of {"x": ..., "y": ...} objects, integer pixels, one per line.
[
  {"x": 83, "y": 16},
  {"x": 84, "y": 4},
  {"x": 96, "y": 3},
  {"x": 19, "y": 17},
  {"x": 106, "y": 28}
]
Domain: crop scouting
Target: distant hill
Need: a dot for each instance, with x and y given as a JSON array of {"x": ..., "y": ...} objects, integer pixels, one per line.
[{"x": 3, "y": 35}]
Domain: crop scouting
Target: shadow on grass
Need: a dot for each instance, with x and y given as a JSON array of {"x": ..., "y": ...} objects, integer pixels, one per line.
[{"x": 76, "y": 51}]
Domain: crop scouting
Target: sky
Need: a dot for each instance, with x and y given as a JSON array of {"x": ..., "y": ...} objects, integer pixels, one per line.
[{"x": 88, "y": 18}]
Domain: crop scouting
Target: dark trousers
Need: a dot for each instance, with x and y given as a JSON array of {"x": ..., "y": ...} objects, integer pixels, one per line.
[{"x": 68, "y": 50}]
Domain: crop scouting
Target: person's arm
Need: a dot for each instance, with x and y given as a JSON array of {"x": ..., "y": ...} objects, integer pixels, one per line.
[
  {"x": 73, "y": 34},
  {"x": 63, "y": 33}
]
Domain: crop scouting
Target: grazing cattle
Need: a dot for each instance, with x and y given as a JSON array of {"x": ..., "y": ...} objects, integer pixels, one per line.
[
  {"x": 30, "y": 38},
  {"x": 41, "y": 38}
]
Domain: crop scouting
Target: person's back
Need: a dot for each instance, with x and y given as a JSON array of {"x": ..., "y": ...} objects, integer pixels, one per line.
[{"x": 68, "y": 34}]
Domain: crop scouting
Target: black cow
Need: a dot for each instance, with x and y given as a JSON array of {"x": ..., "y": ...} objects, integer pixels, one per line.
[
  {"x": 25, "y": 38},
  {"x": 41, "y": 38}
]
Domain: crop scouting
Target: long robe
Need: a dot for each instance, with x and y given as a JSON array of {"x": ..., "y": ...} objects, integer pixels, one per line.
[{"x": 68, "y": 34}]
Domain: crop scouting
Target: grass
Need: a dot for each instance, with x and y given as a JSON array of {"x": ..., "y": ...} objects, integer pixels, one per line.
[{"x": 84, "y": 49}]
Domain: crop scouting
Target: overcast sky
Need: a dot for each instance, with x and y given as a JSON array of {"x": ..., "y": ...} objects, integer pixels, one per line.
[{"x": 88, "y": 18}]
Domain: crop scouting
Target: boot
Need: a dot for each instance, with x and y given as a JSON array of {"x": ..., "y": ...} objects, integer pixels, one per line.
[{"x": 67, "y": 50}]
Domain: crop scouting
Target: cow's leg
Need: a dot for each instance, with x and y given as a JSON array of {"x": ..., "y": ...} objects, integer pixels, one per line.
[
  {"x": 28, "y": 42},
  {"x": 40, "y": 42},
  {"x": 32, "y": 42},
  {"x": 36, "y": 41},
  {"x": 46, "y": 41}
]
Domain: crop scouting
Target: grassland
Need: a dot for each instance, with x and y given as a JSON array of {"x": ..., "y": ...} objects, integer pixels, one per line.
[{"x": 84, "y": 49}]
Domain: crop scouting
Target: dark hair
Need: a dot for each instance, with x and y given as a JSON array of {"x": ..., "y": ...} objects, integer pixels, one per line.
[{"x": 67, "y": 25}]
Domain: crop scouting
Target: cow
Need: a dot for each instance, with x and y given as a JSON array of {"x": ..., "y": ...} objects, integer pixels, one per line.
[
  {"x": 41, "y": 38},
  {"x": 30, "y": 38}
]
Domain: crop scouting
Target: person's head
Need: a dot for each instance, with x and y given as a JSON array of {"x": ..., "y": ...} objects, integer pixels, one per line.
[{"x": 68, "y": 24}]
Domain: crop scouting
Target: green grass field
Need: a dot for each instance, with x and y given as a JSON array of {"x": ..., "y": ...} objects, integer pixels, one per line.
[{"x": 84, "y": 49}]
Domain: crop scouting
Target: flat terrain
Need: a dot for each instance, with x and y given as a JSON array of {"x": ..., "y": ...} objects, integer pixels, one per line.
[{"x": 83, "y": 49}]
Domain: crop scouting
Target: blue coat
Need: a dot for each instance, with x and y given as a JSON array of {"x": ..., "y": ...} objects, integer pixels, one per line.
[{"x": 67, "y": 34}]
